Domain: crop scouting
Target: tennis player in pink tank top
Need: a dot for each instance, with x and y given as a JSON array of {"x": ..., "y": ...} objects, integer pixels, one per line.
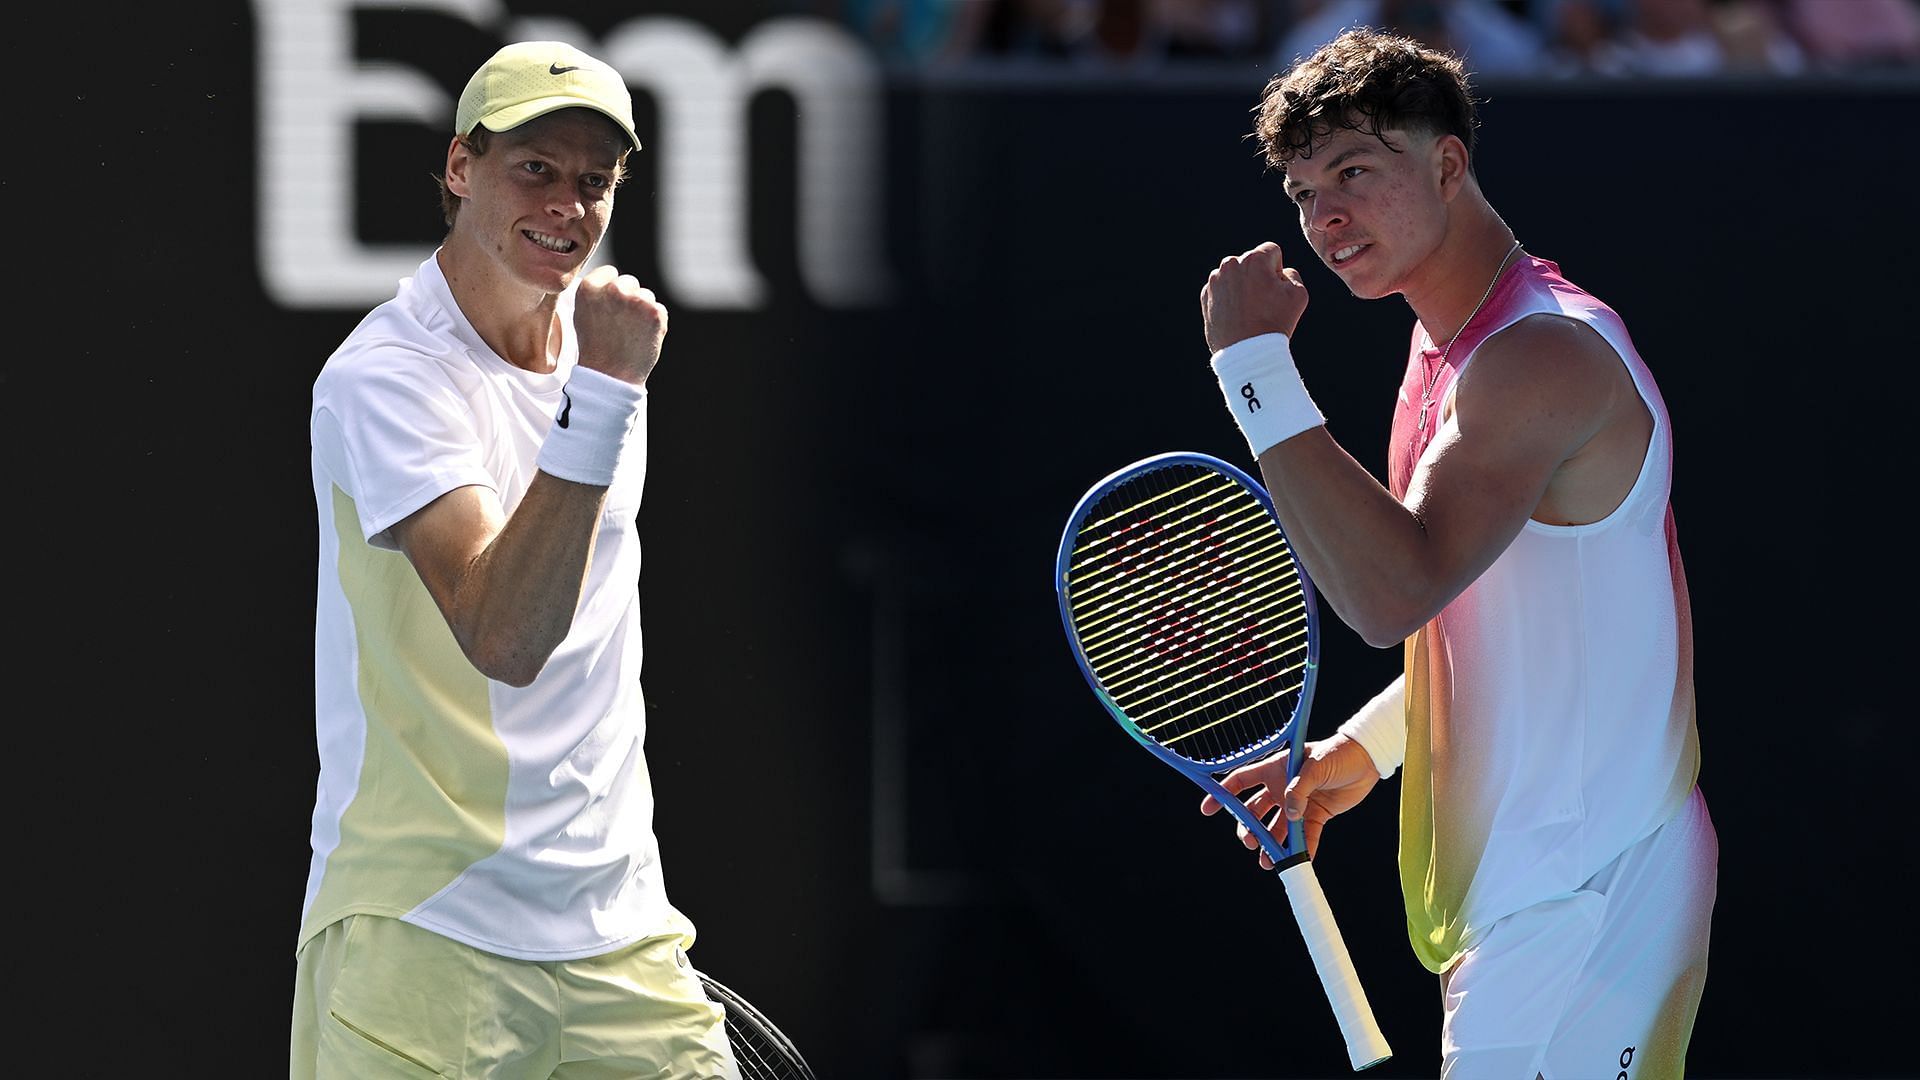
[{"x": 1558, "y": 866}]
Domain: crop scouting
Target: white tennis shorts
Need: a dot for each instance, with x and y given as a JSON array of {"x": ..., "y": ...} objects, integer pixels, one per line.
[{"x": 1602, "y": 984}]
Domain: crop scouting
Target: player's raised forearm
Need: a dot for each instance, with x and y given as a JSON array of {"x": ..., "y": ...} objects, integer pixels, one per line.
[
  {"x": 517, "y": 602},
  {"x": 509, "y": 586},
  {"x": 1530, "y": 402},
  {"x": 527, "y": 583},
  {"x": 1367, "y": 552},
  {"x": 1361, "y": 546}
]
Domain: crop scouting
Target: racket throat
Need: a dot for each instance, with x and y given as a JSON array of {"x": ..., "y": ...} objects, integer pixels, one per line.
[{"x": 1290, "y": 862}]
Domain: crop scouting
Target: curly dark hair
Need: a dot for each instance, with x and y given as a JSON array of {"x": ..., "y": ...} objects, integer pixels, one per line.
[{"x": 1364, "y": 80}]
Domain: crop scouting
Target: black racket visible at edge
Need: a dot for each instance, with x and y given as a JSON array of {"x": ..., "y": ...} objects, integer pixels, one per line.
[{"x": 761, "y": 1051}]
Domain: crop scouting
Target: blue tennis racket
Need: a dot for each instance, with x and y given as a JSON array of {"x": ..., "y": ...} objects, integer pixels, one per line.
[{"x": 1198, "y": 630}]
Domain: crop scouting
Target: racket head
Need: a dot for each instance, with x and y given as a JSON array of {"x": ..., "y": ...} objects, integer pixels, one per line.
[
  {"x": 1192, "y": 620},
  {"x": 761, "y": 1051}
]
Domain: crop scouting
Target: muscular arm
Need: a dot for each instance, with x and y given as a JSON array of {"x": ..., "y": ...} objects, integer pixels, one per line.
[
  {"x": 1536, "y": 397},
  {"x": 508, "y": 587}
]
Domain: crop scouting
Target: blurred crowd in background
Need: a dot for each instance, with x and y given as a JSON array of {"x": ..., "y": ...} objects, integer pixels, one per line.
[{"x": 1498, "y": 38}]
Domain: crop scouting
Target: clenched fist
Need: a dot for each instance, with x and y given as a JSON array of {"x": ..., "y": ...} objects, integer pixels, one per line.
[
  {"x": 1250, "y": 294},
  {"x": 621, "y": 325}
]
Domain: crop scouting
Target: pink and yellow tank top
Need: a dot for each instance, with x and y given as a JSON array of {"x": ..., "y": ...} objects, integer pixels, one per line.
[{"x": 1550, "y": 715}]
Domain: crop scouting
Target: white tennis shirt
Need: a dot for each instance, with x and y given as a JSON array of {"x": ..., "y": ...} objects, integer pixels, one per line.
[
  {"x": 516, "y": 820},
  {"x": 1550, "y": 713}
]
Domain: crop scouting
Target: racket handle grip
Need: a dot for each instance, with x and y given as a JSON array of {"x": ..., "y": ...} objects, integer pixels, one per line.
[{"x": 1365, "y": 1044}]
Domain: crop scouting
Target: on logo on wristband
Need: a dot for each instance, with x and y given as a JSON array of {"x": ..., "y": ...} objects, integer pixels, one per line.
[{"x": 1263, "y": 391}]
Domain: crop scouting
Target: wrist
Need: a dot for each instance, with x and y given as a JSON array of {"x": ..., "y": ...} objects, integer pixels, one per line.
[
  {"x": 1264, "y": 391},
  {"x": 598, "y": 418},
  {"x": 1380, "y": 727}
]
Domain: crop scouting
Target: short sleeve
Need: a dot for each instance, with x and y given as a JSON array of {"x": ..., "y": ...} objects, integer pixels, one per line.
[{"x": 391, "y": 430}]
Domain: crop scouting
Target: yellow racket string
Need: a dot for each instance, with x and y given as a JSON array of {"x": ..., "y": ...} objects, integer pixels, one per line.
[
  {"x": 1209, "y": 617},
  {"x": 1159, "y": 689},
  {"x": 1118, "y": 598},
  {"x": 1187, "y": 603}
]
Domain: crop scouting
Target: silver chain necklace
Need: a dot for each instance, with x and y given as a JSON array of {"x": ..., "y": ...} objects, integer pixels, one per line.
[{"x": 1426, "y": 395}]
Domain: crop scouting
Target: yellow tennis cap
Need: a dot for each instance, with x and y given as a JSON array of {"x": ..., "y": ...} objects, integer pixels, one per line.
[{"x": 533, "y": 78}]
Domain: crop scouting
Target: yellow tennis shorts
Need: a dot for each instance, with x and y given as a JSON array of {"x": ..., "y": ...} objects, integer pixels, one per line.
[{"x": 377, "y": 998}]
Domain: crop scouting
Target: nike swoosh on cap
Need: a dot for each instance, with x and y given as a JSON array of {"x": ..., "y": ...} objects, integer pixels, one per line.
[{"x": 556, "y": 69}]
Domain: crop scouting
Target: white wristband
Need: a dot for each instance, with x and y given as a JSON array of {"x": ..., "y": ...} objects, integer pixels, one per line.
[
  {"x": 1380, "y": 727},
  {"x": 597, "y": 419},
  {"x": 1264, "y": 392}
]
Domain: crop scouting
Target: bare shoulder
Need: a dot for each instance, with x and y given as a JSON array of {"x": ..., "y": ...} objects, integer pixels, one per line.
[
  {"x": 1553, "y": 349},
  {"x": 1552, "y": 386},
  {"x": 1547, "y": 367}
]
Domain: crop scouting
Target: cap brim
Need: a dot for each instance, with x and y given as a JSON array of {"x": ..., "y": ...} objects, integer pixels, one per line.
[{"x": 514, "y": 115}]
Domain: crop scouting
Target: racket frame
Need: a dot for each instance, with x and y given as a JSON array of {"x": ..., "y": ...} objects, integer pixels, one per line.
[
  {"x": 1206, "y": 774},
  {"x": 742, "y": 1019},
  {"x": 1366, "y": 1045}
]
